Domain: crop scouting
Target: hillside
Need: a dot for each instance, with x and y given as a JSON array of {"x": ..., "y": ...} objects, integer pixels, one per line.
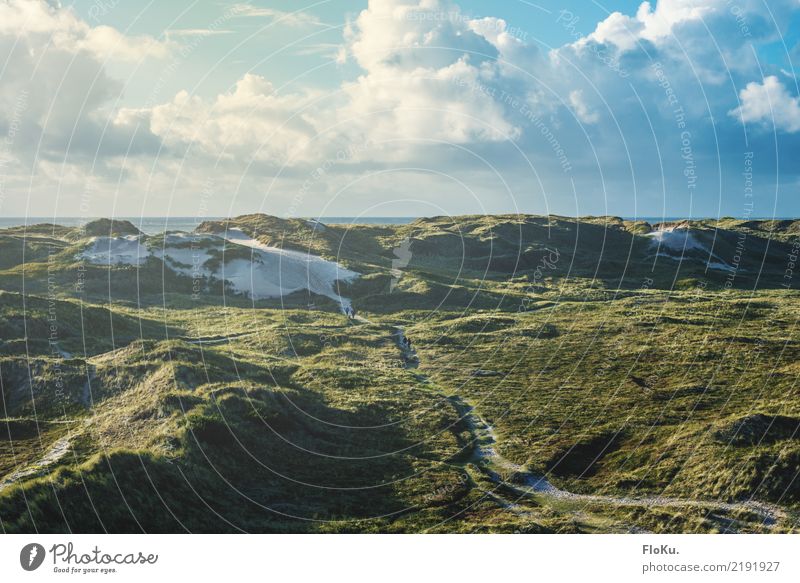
[{"x": 564, "y": 375}]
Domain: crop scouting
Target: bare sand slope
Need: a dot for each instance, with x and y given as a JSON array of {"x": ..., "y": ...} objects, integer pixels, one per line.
[{"x": 268, "y": 272}]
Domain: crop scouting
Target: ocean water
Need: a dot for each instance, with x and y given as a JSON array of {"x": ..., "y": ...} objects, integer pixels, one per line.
[
  {"x": 155, "y": 225},
  {"x": 149, "y": 225}
]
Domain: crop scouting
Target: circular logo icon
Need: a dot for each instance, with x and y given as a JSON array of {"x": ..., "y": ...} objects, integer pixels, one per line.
[{"x": 31, "y": 556}]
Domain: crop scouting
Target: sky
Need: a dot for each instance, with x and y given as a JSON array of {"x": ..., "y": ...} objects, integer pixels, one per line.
[{"x": 199, "y": 108}]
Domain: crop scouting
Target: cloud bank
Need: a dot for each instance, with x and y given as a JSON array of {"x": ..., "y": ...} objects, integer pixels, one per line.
[{"x": 652, "y": 111}]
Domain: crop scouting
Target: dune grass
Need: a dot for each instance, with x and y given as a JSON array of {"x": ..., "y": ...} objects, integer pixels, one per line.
[{"x": 214, "y": 413}]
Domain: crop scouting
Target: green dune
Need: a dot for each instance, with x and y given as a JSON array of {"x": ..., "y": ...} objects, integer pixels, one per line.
[{"x": 564, "y": 375}]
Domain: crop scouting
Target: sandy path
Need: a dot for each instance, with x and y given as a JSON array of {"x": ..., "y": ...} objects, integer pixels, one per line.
[
  {"x": 527, "y": 484},
  {"x": 56, "y": 452},
  {"x": 218, "y": 339}
]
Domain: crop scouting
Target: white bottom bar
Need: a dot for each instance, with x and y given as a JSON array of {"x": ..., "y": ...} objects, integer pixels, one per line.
[{"x": 410, "y": 558}]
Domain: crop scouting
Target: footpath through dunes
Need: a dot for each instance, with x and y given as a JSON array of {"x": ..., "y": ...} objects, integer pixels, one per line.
[
  {"x": 513, "y": 479},
  {"x": 49, "y": 455}
]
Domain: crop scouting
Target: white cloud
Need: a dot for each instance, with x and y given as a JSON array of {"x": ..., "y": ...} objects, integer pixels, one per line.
[
  {"x": 251, "y": 120},
  {"x": 582, "y": 111},
  {"x": 411, "y": 90},
  {"x": 769, "y": 103},
  {"x": 454, "y": 104},
  {"x": 429, "y": 74},
  {"x": 661, "y": 21},
  {"x": 426, "y": 73},
  {"x": 650, "y": 24},
  {"x": 511, "y": 43},
  {"x": 61, "y": 29},
  {"x": 409, "y": 34},
  {"x": 108, "y": 43},
  {"x": 331, "y": 51},
  {"x": 195, "y": 32},
  {"x": 618, "y": 29},
  {"x": 55, "y": 92},
  {"x": 296, "y": 18}
]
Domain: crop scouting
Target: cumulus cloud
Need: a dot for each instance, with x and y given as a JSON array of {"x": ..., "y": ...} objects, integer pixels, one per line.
[
  {"x": 581, "y": 109},
  {"x": 650, "y": 24},
  {"x": 55, "y": 69},
  {"x": 769, "y": 103},
  {"x": 427, "y": 76},
  {"x": 61, "y": 27},
  {"x": 406, "y": 34},
  {"x": 252, "y": 120},
  {"x": 430, "y": 74},
  {"x": 712, "y": 38}
]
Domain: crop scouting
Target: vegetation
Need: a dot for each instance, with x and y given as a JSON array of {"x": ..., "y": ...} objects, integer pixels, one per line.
[{"x": 653, "y": 393}]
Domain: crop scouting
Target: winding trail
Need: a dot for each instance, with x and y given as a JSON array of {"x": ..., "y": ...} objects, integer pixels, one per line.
[
  {"x": 217, "y": 339},
  {"x": 57, "y": 451},
  {"x": 526, "y": 484},
  {"x": 86, "y": 391}
]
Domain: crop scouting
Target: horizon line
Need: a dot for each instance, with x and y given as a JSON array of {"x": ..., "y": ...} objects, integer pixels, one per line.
[{"x": 221, "y": 217}]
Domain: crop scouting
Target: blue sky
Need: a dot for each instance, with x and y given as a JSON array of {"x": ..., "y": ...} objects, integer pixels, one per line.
[{"x": 399, "y": 107}]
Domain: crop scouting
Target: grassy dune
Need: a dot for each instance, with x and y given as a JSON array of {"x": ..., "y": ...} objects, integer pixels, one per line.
[{"x": 652, "y": 393}]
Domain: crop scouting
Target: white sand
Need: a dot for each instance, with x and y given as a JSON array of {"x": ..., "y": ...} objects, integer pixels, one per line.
[
  {"x": 269, "y": 273},
  {"x": 294, "y": 270},
  {"x": 681, "y": 240},
  {"x": 676, "y": 240},
  {"x": 117, "y": 250}
]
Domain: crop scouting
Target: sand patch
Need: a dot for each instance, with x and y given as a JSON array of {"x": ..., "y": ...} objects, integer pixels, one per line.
[{"x": 249, "y": 266}]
